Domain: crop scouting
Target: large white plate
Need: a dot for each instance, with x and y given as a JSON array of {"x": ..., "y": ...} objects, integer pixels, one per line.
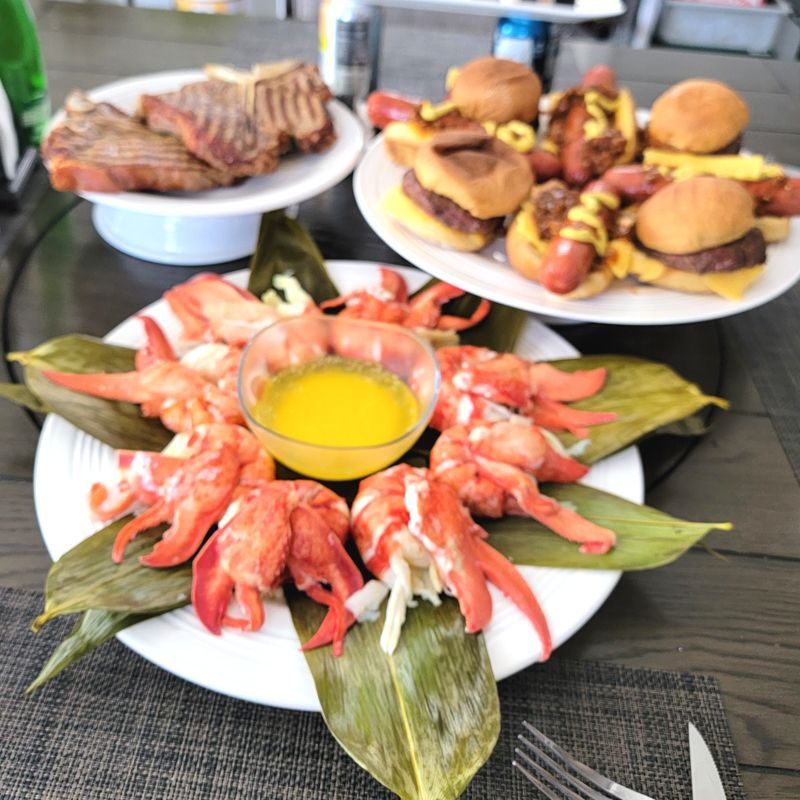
[
  {"x": 267, "y": 666},
  {"x": 488, "y": 273},
  {"x": 297, "y": 178}
]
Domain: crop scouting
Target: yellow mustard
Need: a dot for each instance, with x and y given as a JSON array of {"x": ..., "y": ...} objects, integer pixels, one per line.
[
  {"x": 431, "y": 113},
  {"x": 586, "y": 213},
  {"x": 598, "y": 106}
]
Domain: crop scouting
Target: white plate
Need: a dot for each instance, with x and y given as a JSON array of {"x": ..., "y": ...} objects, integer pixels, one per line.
[
  {"x": 267, "y": 666},
  {"x": 488, "y": 273},
  {"x": 298, "y": 177}
]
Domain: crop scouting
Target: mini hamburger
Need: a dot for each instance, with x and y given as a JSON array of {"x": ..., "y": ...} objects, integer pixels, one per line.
[
  {"x": 463, "y": 185},
  {"x": 699, "y": 235},
  {"x": 698, "y": 116},
  {"x": 484, "y": 90}
]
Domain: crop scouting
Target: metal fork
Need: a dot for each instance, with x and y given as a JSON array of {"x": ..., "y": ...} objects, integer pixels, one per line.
[{"x": 545, "y": 781}]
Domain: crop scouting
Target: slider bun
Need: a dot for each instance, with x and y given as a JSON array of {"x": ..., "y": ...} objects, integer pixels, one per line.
[
  {"x": 525, "y": 260},
  {"x": 699, "y": 116},
  {"x": 480, "y": 173},
  {"x": 402, "y": 140},
  {"x": 498, "y": 90},
  {"x": 774, "y": 229},
  {"x": 695, "y": 214},
  {"x": 400, "y": 207}
]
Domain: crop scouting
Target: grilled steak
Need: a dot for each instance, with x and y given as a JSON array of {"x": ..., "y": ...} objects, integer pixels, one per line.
[
  {"x": 243, "y": 125},
  {"x": 98, "y": 148}
]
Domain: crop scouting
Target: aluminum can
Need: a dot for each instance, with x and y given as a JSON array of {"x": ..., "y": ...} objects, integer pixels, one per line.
[{"x": 349, "y": 44}]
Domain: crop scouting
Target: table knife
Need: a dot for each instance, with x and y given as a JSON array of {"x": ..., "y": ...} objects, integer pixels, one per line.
[{"x": 706, "y": 783}]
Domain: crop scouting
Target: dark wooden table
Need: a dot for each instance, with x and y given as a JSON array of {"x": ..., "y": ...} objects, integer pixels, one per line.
[{"x": 734, "y": 612}]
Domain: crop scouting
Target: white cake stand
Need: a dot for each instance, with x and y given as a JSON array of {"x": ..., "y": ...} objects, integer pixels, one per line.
[{"x": 219, "y": 225}]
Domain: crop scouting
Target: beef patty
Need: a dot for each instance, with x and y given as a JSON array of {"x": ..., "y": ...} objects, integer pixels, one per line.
[
  {"x": 448, "y": 212},
  {"x": 748, "y": 251}
]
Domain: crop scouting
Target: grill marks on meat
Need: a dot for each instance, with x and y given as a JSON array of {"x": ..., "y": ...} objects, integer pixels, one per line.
[
  {"x": 212, "y": 120},
  {"x": 448, "y": 212},
  {"x": 98, "y": 148},
  {"x": 244, "y": 131},
  {"x": 748, "y": 251}
]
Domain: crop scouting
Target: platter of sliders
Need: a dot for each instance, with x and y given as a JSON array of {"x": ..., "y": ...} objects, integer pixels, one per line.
[
  {"x": 579, "y": 206},
  {"x": 180, "y": 165}
]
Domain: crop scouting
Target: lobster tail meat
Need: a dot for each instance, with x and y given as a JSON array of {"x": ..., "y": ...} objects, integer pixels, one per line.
[{"x": 417, "y": 537}]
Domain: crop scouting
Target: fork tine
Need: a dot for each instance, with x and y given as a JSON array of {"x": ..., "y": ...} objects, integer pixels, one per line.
[
  {"x": 540, "y": 770},
  {"x": 559, "y": 770},
  {"x": 591, "y": 775},
  {"x": 536, "y": 782}
]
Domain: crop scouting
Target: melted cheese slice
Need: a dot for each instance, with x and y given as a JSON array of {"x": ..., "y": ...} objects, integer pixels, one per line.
[
  {"x": 529, "y": 230},
  {"x": 685, "y": 165},
  {"x": 732, "y": 285},
  {"x": 619, "y": 257},
  {"x": 729, "y": 285},
  {"x": 400, "y": 207}
]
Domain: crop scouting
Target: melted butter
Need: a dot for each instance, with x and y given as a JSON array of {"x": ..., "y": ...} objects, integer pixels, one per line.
[{"x": 337, "y": 402}]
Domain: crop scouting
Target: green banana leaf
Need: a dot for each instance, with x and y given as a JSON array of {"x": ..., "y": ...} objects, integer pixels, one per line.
[
  {"x": 421, "y": 721},
  {"x": 21, "y": 395},
  {"x": 644, "y": 394},
  {"x": 119, "y": 425},
  {"x": 92, "y": 629},
  {"x": 86, "y": 578},
  {"x": 646, "y": 538},
  {"x": 284, "y": 245}
]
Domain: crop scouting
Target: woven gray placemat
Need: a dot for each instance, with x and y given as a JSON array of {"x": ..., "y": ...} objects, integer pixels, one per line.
[{"x": 115, "y": 726}]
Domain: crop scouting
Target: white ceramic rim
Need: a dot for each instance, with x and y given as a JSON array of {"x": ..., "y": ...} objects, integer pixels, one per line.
[
  {"x": 488, "y": 274},
  {"x": 299, "y": 177},
  {"x": 234, "y": 663}
]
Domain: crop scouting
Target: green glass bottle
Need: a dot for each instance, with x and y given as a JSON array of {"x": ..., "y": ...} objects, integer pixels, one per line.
[{"x": 22, "y": 72}]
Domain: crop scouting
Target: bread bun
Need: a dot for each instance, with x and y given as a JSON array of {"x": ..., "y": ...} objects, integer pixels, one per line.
[
  {"x": 403, "y": 139},
  {"x": 524, "y": 258},
  {"x": 698, "y": 116},
  {"x": 498, "y": 90},
  {"x": 400, "y": 207},
  {"x": 695, "y": 214},
  {"x": 774, "y": 229},
  {"x": 520, "y": 253},
  {"x": 481, "y": 174}
]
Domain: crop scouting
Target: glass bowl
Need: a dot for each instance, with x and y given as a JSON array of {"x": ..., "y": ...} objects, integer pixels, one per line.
[{"x": 298, "y": 340}]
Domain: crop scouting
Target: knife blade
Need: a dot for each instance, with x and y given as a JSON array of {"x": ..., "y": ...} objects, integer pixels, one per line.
[{"x": 706, "y": 783}]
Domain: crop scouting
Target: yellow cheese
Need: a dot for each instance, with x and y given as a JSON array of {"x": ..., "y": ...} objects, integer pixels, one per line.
[
  {"x": 452, "y": 75},
  {"x": 685, "y": 165},
  {"x": 625, "y": 123},
  {"x": 732, "y": 285},
  {"x": 618, "y": 258},
  {"x": 529, "y": 230},
  {"x": 644, "y": 267},
  {"x": 399, "y": 206}
]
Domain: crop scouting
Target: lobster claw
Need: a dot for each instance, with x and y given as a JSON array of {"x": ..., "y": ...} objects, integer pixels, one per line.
[
  {"x": 566, "y": 386},
  {"x": 556, "y": 416},
  {"x": 426, "y": 309},
  {"x": 157, "y": 347},
  {"x": 504, "y": 575},
  {"x": 110, "y": 386},
  {"x": 317, "y": 557},
  {"x": 211, "y": 585}
]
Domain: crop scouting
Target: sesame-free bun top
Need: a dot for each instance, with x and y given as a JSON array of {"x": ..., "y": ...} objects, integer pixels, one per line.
[
  {"x": 697, "y": 116},
  {"x": 498, "y": 90},
  {"x": 480, "y": 173},
  {"x": 695, "y": 214}
]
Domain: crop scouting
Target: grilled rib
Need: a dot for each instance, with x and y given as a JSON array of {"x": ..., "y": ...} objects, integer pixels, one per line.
[
  {"x": 242, "y": 122},
  {"x": 98, "y": 148}
]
